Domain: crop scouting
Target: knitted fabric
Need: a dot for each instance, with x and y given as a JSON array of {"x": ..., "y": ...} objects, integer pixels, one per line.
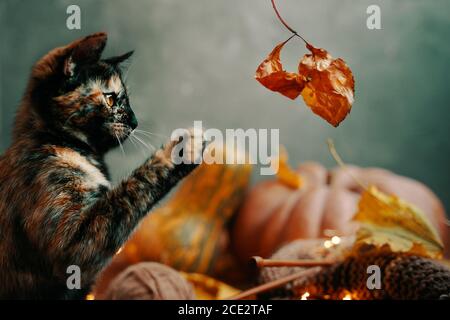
[{"x": 402, "y": 276}]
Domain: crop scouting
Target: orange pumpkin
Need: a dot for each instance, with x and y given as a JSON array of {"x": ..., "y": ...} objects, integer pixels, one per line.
[{"x": 275, "y": 212}]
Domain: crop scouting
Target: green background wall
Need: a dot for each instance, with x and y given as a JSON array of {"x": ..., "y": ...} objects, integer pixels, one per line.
[{"x": 195, "y": 60}]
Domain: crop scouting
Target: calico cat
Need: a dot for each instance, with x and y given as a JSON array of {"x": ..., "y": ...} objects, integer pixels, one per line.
[{"x": 57, "y": 206}]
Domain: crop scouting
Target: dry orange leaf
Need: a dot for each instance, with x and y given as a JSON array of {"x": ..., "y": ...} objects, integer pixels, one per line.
[
  {"x": 329, "y": 89},
  {"x": 326, "y": 84},
  {"x": 271, "y": 75}
]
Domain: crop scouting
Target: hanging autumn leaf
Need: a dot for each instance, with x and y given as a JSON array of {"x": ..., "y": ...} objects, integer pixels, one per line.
[
  {"x": 388, "y": 222},
  {"x": 329, "y": 85},
  {"x": 270, "y": 74},
  {"x": 326, "y": 84}
]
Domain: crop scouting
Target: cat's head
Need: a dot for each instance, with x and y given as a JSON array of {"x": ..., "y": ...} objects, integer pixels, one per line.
[{"x": 78, "y": 93}]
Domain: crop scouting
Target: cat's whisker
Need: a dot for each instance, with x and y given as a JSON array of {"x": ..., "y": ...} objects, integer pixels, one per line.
[
  {"x": 149, "y": 146},
  {"x": 131, "y": 139},
  {"x": 152, "y": 133},
  {"x": 136, "y": 145},
  {"x": 146, "y": 136},
  {"x": 140, "y": 146},
  {"x": 145, "y": 144},
  {"x": 120, "y": 144}
]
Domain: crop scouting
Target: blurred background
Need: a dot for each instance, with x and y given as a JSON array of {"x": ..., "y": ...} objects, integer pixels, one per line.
[{"x": 196, "y": 59}]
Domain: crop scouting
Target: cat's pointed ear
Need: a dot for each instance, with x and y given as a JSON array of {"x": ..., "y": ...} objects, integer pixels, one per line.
[
  {"x": 115, "y": 61},
  {"x": 85, "y": 51}
]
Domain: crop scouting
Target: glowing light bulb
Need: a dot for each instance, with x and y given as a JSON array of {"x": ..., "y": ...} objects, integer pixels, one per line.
[
  {"x": 336, "y": 240},
  {"x": 347, "y": 297},
  {"x": 328, "y": 244},
  {"x": 305, "y": 296},
  {"x": 90, "y": 296}
]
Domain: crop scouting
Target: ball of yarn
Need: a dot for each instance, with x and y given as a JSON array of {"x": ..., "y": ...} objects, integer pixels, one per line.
[{"x": 149, "y": 281}]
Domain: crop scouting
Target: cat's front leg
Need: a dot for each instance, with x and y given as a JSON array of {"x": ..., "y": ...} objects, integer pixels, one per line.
[
  {"x": 100, "y": 229},
  {"x": 124, "y": 205}
]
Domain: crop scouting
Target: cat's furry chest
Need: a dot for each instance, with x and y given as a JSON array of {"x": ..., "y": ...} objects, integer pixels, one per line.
[{"x": 93, "y": 176}]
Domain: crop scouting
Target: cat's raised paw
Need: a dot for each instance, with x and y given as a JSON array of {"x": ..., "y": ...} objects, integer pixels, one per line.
[{"x": 188, "y": 147}]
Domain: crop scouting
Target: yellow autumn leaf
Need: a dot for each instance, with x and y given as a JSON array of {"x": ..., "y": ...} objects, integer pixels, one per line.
[
  {"x": 285, "y": 173},
  {"x": 207, "y": 288},
  {"x": 387, "y": 220}
]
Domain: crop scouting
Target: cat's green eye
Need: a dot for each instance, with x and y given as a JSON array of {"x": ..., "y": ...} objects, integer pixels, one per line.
[{"x": 110, "y": 99}]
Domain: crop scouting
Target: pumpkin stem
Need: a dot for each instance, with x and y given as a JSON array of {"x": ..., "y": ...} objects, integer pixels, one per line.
[{"x": 342, "y": 164}]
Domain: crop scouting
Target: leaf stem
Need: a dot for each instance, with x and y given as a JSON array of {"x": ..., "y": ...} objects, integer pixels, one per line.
[
  {"x": 284, "y": 22},
  {"x": 341, "y": 163}
]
